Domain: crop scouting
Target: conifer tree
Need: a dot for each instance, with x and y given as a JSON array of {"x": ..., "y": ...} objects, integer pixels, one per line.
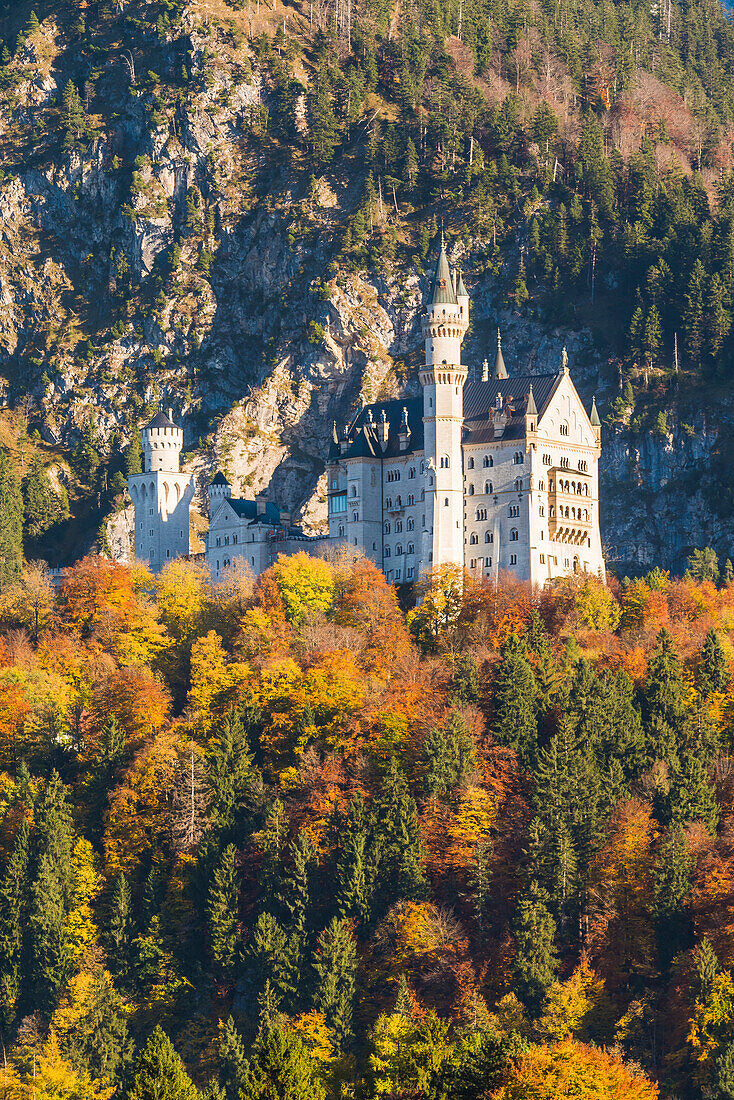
[
  {"x": 449, "y": 756},
  {"x": 235, "y": 784},
  {"x": 50, "y": 958},
  {"x": 691, "y": 795},
  {"x": 232, "y": 1061},
  {"x": 706, "y": 966},
  {"x": 14, "y": 891},
  {"x": 120, "y": 929},
  {"x": 159, "y": 1072},
  {"x": 72, "y": 113},
  {"x": 222, "y": 912},
  {"x": 465, "y": 680},
  {"x": 134, "y": 454},
  {"x": 672, "y": 885},
  {"x": 355, "y": 869},
  {"x": 42, "y": 508},
  {"x": 11, "y": 521},
  {"x": 397, "y": 834},
  {"x": 55, "y": 833},
  {"x": 515, "y": 694},
  {"x": 536, "y": 960},
  {"x": 280, "y": 1068},
  {"x": 268, "y": 956},
  {"x": 664, "y": 697},
  {"x": 713, "y": 674},
  {"x": 335, "y": 964}
]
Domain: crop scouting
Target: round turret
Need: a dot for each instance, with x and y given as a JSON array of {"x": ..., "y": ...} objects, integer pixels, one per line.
[
  {"x": 219, "y": 490},
  {"x": 162, "y": 443}
]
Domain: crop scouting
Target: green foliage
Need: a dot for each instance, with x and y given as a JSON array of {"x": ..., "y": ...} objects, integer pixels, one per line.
[
  {"x": 159, "y": 1072},
  {"x": 515, "y": 693},
  {"x": 536, "y": 958},
  {"x": 11, "y": 520}
]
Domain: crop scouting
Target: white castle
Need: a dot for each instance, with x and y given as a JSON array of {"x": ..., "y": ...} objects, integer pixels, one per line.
[{"x": 495, "y": 473}]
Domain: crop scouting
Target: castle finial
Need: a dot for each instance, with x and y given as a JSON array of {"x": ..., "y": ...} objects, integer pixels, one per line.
[
  {"x": 334, "y": 433},
  {"x": 485, "y": 371},
  {"x": 500, "y": 370},
  {"x": 594, "y": 417}
]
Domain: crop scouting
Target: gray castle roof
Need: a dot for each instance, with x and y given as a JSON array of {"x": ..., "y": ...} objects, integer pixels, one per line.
[
  {"x": 219, "y": 479},
  {"x": 480, "y": 399},
  {"x": 364, "y": 434},
  {"x": 160, "y": 420},
  {"x": 443, "y": 293}
]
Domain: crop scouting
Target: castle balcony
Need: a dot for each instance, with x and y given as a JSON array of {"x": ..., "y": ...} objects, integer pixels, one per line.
[{"x": 571, "y": 535}]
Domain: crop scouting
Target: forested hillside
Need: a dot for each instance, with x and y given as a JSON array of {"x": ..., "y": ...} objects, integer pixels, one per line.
[
  {"x": 228, "y": 207},
  {"x": 279, "y": 839}
]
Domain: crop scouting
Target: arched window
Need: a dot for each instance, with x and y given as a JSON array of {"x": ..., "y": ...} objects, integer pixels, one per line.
[
  {"x": 470, "y": 464},
  {"x": 388, "y": 502},
  {"x": 514, "y": 536},
  {"x": 387, "y": 528},
  {"x": 398, "y": 502},
  {"x": 518, "y": 458},
  {"x": 446, "y": 502},
  {"x": 518, "y": 484},
  {"x": 488, "y": 461},
  {"x": 387, "y": 551},
  {"x": 355, "y": 517},
  {"x": 488, "y": 536},
  {"x": 488, "y": 487},
  {"x": 398, "y": 526},
  {"x": 473, "y": 539},
  {"x": 411, "y": 548},
  {"x": 514, "y": 510},
  {"x": 445, "y": 462},
  {"x": 341, "y": 531},
  {"x": 398, "y": 550},
  {"x": 471, "y": 490},
  {"x": 411, "y": 499},
  {"x": 411, "y": 524}
]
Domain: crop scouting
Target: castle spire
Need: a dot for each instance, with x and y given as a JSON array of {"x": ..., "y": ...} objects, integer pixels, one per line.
[
  {"x": 594, "y": 417},
  {"x": 500, "y": 370},
  {"x": 531, "y": 409},
  {"x": 443, "y": 293}
]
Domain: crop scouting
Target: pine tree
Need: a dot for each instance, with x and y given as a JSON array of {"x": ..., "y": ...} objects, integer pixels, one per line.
[
  {"x": 42, "y": 507},
  {"x": 11, "y": 521},
  {"x": 120, "y": 929},
  {"x": 724, "y": 1073},
  {"x": 354, "y": 870},
  {"x": 706, "y": 966},
  {"x": 323, "y": 124},
  {"x": 159, "y": 1072},
  {"x": 232, "y": 1061},
  {"x": 672, "y": 885},
  {"x": 449, "y": 756},
  {"x": 55, "y": 833},
  {"x": 14, "y": 891},
  {"x": 536, "y": 959},
  {"x": 222, "y": 911},
  {"x": 280, "y": 1068},
  {"x": 235, "y": 785},
  {"x": 465, "y": 680},
  {"x": 693, "y": 313},
  {"x": 515, "y": 693},
  {"x": 268, "y": 957},
  {"x": 50, "y": 958},
  {"x": 396, "y": 832},
  {"x": 335, "y": 964},
  {"x": 713, "y": 673},
  {"x": 691, "y": 795},
  {"x": 664, "y": 697},
  {"x": 72, "y": 112},
  {"x": 134, "y": 454}
]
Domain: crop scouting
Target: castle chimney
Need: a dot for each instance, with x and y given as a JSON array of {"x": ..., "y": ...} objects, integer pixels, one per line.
[
  {"x": 170, "y": 414},
  {"x": 261, "y": 500}
]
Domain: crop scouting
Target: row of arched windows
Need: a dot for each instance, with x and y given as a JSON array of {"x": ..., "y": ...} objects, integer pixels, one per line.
[{"x": 410, "y": 549}]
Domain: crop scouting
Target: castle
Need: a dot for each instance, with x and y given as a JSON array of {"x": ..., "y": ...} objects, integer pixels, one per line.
[{"x": 497, "y": 472}]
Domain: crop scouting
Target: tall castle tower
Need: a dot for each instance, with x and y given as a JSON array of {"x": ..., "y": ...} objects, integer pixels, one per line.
[
  {"x": 161, "y": 494},
  {"x": 445, "y": 321}
]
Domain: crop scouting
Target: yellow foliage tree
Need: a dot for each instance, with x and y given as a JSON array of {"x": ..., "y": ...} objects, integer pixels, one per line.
[
  {"x": 183, "y": 597},
  {"x": 570, "y": 1005},
  {"x": 53, "y": 1078},
  {"x": 80, "y": 922},
  {"x": 305, "y": 584},
  {"x": 213, "y": 677},
  {"x": 569, "y": 1069}
]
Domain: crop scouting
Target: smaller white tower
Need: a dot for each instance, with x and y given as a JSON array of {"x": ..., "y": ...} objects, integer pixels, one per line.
[
  {"x": 161, "y": 494},
  {"x": 219, "y": 490}
]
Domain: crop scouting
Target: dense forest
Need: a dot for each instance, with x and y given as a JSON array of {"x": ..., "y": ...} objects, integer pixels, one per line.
[{"x": 279, "y": 838}]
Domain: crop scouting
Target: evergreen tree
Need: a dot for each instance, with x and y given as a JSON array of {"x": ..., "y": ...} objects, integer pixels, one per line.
[
  {"x": 449, "y": 756},
  {"x": 323, "y": 125},
  {"x": 706, "y": 966},
  {"x": 691, "y": 795},
  {"x": 50, "y": 957},
  {"x": 14, "y": 891},
  {"x": 664, "y": 696},
  {"x": 515, "y": 693},
  {"x": 713, "y": 673},
  {"x": 159, "y": 1072},
  {"x": 235, "y": 784},
  {"x": 42, "y": 507},
  {"x": 268, "y": 956},
  {"x": 120, "y": 928},
  {"x": 55, "y": 834},
  {"x": 465, "y": 680},
  {"x": 134, "y": 454},
  {"x": 355, "y": 869},
  {"x": 73, "y": 119},
  {"x": 280, "y": 1068},
  {"x": 693, "y": 313},
  {"x": 222, "y": 912},
  {"x": 397, "y": 835},
  {"x": 232, "y": 1061},
  {"x": 672, "y": 885},
  {"x": 724, "y": 1073},
  {"x": 536, "y": 959},
  {"x": 335, "y": 964},
  {"x": 11, "y": 521}
]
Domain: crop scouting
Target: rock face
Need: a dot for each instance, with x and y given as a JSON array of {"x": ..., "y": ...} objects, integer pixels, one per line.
[{"x": 140, "y": 266}]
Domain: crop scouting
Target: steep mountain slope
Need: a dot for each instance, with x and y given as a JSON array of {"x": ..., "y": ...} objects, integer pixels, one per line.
[{"x": 229, "y": 207}]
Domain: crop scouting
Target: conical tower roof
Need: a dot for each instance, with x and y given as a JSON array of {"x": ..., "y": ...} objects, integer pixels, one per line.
[
  {"x": 442, "y": 293},
  {"x": 531, "y": 409},
  {"x": 500, "y": 370},
  {"x": 460, "y": 288},
  {"x": 594, "y": 418}
]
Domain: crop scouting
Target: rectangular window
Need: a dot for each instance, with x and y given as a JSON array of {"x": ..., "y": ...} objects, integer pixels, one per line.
[
  {"x": 513, "y": 559},
  {"x": 542, "y": 559},
  {"x": 338, "y": 503}
]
